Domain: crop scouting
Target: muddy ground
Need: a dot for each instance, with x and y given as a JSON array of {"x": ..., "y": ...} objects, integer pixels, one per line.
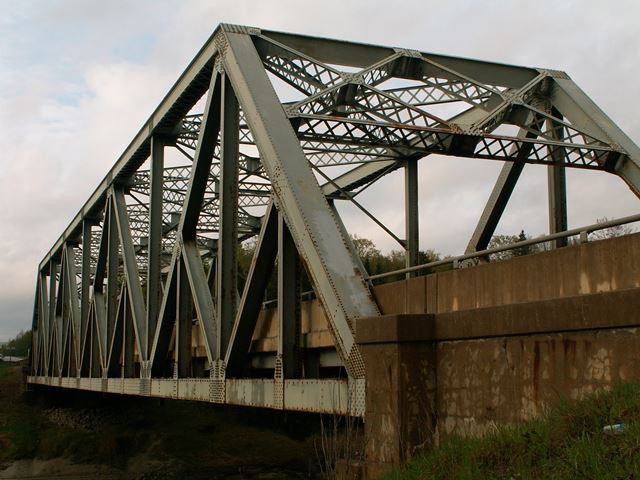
[{"x": 52, "y": 433}]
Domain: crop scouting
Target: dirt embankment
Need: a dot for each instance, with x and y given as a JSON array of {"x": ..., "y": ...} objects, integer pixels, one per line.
[{"x": 55, "y": 434}]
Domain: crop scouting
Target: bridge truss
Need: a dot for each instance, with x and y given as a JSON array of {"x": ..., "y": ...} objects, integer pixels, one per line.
[{"x": 142, "y": 292}]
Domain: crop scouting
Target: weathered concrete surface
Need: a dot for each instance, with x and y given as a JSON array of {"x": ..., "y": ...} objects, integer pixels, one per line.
[
  {"x": 400, "y": 402},
  {"x": 482, "y": 383},
  {"x": 594, "y": 267},
  {"x": 429, "y": 375}
]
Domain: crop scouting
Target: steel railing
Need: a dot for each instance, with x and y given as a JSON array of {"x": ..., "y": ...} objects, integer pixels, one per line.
[{"x": 583, "y": 232}]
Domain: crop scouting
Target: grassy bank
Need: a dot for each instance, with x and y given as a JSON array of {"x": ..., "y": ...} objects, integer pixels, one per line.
[
  {"x": 566, "y": 443},
  {"x": 173, "y": 439},
  {"x": 18, "y": 424}
]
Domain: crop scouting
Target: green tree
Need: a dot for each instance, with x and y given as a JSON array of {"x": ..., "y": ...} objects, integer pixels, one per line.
[
  {"x": 18, "y": 346},
  {"x": 376, "y": 262},
  {"x": 428, "y": 256},
  {"x": 506, "y": 240},
  {"x": 368, "y": 253},
  {"x": 365, "y": 247},
  {"x": 611, "y": 232},
  {"x": 525, "y": 249},
  {"x": 498, "y": 241}
]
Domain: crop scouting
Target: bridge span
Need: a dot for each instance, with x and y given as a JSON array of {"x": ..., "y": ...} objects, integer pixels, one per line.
[{"x": 143, "y": 294}]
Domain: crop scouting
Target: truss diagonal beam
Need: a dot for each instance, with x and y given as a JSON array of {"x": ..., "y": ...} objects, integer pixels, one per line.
[
  {"x": 72, "y": 299},
  {"x": 498, "y": 199},
  {"x": 253, "y": 294},
  {"x": 202, "y": 298},
  {"x": 131, "y": 272},
  {"x": 318, "y": 238},
  {"x": 162, "y": 337},
  {"x": 45, "y": 324}
]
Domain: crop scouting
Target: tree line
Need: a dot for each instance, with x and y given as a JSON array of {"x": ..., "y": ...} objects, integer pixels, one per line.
[{"x": 18, "y": 346}]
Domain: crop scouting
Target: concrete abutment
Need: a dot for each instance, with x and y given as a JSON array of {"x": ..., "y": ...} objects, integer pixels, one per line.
[{"x": 505, "y": 355}]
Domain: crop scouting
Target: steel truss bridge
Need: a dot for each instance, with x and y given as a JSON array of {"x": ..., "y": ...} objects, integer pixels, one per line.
[{"x": 142, "y": 294}]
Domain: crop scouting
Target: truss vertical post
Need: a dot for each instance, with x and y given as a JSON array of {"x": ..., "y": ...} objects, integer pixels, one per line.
[
  {"x": 60, "y": 320},
  {"x": 154, "y": 296},
  {"x": 113, "y": 263},
  {"x": 556, "y": 179},
  {"x": 85, "y": 292},
  {"x": 68, "y": 350},
  {"x": 73, "y": 304},
  {"x": 44, "y": 319},
  {"x": 128, "y": 341},
  {"x": 53, "y": 272},
  {"x": 288, "y": 303},
  {"x": 184, "y": 310},
  {"x": 96, "y": 358},
  {"x": 62, "y": 312},
  {"x": 412, "y": 230},
  {"x": 557, "y": 184},
  {"x": 227, "y": 264}
]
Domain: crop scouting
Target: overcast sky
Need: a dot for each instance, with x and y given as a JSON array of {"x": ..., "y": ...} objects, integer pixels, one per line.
[{"x": 78, "y": 78}]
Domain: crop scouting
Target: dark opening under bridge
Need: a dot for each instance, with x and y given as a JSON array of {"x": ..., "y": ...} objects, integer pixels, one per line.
[{"x": 141, "y": 294}]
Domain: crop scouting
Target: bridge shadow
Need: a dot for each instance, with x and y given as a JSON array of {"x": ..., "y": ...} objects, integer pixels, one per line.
[{"x": 177, "y": 439}]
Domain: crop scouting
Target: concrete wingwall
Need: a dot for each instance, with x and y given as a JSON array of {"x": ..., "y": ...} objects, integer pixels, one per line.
[
  {"x": 485, "y": 382},
  {"x": 595, "y": 267},
  {"x": 465, "y": 350}
]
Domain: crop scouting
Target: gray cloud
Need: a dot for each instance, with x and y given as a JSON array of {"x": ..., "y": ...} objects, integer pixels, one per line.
[{"x": 79, "y": 78}]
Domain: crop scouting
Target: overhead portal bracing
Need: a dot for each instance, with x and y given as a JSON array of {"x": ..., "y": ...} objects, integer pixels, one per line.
[{"x": 148, "y": 269}]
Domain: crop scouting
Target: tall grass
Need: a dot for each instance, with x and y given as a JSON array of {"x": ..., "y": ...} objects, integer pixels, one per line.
[{"x": 567, "y": 442}]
